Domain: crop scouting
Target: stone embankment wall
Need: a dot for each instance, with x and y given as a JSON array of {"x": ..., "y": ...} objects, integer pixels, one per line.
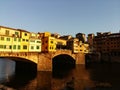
[
  {"x": 92, "y": 57},
  {"x": 109, "y": 58}
]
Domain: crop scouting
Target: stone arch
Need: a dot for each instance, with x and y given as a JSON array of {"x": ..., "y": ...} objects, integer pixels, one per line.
[
  {"x": 63, "y": 61},
  {"x": 31, "y": 57},
  {"x": 22, "y": 65}
]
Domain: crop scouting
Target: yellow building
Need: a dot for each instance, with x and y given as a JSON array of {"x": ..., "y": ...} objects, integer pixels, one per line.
[
  {"x": 73, "y": 44},
  {"x": 9, "y": 39},
  {"x": 83, "y": 47},
  {"x": 34, "y": 43},
  {"x": 24, "y": 35},
  {"x": 5, "y": 43},
  {"x": 7, "y": 31}
]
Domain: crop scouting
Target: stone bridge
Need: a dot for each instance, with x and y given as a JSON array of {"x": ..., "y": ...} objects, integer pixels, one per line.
[{"x": 43, "y": 60}]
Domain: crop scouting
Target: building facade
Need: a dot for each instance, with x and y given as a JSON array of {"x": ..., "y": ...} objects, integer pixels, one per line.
[
  {"x": 90, "y": 42},
  {"x": 83, "y": 47},
  {"x": 60, "y": 43},
  {"x": 108, "y": 43},
  {"x": 25, "y": 36},
  {"x": 73, "y": 44},
  {"x": 9, "y": 39},
  {"x": 48, "y": 42},
  {"x": 35, "y": 43},
  {"x": 81, "y": 37}
]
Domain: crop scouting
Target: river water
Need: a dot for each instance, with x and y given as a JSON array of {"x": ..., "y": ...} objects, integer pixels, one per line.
[{"x": 93, "y": 77}]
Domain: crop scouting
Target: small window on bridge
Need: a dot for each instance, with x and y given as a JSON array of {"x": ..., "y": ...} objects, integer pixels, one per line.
[
  {"x": 15, "y": 39},
  {"x": 24, "y": 46},
  {"x": 2, "y": 38},
  {"x": 19, "y": 40},
  {"x": 14, "y": 46},
  {"x": 37, "y": 47},
  {"x": 32, "y": 40},
  {"x": 16, "y": 33},
  {"x": 4, "y": 46},
  {"x": 1, "y": 46},
  {"x": 10, "y": 47},
  {"x": 27, "y": 40},
  {"x": 51, "y": 47},
  {"x": 32, "y": 47},
  {"x": 18, "y": 46},
  {"x": 25, "y": 34},
  {"x": 23, "y": 40},
  {"x": 38, "y": 41},
  {"x": 7, "y": 32},
  {"x": 8, "y": 39},
  {"x": 51, "y": 41}
]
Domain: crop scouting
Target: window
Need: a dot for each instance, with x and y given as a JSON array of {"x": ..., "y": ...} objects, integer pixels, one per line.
[
  {"x": 15, "y": 39},
  {"x": 18, "y": 46},
  {"x": 8, "y": 39},
  {"x": 7, "y": 32},
  {"x": 25, "y": 34},
  {"x": 19, "y": 40},
  {"x": 38, "y": 41},
  {"x": 26, "y": 40},
  {"x": 2, "y": 38},
  {"x": 23, "y": 39},
  {"x": 10, "y": 47},
  {"x": 24, "y": 46},
  {"x": 46, "y": 41},
  {"x": 14, "y": 46},
  {"x": 1, "y": 46},
  {"x": 32, "y": 47},
  {"x": 16, "y": 33},
  {"x": 32, "y": 40},
  {"x": 4, "y": 46},
  {"x": 37, "y": 47},
  {"x": 51, "y": 41}
]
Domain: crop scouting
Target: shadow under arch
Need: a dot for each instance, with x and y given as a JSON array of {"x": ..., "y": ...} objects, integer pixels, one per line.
[
  {"x": 25, "y": 71},
  {"x": 62, "y": 64},
  {"x": 23, "y": 65}
]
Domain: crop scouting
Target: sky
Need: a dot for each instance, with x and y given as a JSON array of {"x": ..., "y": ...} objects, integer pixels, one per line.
[{"x": 66, "y": 17}]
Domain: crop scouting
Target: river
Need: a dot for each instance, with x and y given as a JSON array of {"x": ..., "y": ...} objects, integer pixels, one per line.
[{"x": 93, "y": 77}]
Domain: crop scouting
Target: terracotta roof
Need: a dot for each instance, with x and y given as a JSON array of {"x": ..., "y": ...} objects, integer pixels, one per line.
[
  {"x": 23, "y": 30},
  {"x": 7, "y": 27}
]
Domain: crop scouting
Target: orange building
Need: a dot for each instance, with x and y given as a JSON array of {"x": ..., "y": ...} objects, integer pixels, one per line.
[{"x": 48, "y": 42}]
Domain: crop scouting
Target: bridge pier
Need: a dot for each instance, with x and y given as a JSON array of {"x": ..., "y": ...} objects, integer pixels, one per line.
[
  {"x": 44, "y": 62},
  {"x": 80, "y": 58}
]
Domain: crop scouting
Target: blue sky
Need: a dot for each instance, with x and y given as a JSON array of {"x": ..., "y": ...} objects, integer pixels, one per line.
[{"x": 61, "y": 16}]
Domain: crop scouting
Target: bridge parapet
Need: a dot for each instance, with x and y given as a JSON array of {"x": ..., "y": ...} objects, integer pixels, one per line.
[
  {"x": 62, "y": 51},
  {"x": 33, "y": 57}
]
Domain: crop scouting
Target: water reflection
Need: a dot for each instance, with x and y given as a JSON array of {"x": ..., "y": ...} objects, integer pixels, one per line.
[
  {"x": 94, "y": 77},
  {"x": 7, "y": 69}
]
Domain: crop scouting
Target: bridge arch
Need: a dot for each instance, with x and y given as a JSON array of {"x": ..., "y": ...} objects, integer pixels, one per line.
[
  {"x": 22, "y": 65},
  {"x": 30, "y": 57},
  {"x": 63, "y": 61},
  {"x": 13, "y": 58}
]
